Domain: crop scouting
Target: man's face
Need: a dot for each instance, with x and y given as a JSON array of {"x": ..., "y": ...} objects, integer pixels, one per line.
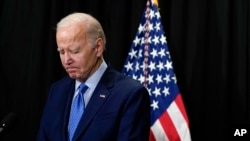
[{"x": 78, "y": 56}]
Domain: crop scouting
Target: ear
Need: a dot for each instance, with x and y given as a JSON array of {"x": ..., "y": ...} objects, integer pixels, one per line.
[{"x": 99, "y": 48}]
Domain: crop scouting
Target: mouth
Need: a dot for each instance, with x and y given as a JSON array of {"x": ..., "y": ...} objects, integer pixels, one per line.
[{"x": 71, "y": 69}]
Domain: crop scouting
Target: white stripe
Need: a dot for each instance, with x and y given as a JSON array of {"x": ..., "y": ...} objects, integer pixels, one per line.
[
  {"x": 179, "y": 122},
  {"x": 158, "y": 131}
]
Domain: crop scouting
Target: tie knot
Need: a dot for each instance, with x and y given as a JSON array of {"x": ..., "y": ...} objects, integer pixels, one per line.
[{"x": 83, "y": 88}]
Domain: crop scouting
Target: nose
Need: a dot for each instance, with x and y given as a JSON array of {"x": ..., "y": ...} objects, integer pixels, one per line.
[{"x": 67, "y": 59}]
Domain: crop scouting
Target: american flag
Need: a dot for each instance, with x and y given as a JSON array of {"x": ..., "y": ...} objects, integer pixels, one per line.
[{"x": 150, "y": 63}]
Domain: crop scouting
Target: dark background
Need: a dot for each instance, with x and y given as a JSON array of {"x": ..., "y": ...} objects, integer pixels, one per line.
[{"x": 208, "y": 41}]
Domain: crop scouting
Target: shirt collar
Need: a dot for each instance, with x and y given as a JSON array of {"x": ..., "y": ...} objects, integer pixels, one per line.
[{"x": 93, "y": 80}]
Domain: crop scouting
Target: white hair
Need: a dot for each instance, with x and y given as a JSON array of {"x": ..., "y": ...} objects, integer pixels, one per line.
[{"x": 94, "y": 29}]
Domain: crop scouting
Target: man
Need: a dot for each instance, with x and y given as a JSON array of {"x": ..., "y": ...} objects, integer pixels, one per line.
[{"x": 117, "y": 108}]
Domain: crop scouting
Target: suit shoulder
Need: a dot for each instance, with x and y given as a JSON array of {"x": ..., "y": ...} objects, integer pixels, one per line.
[
  {"x": 63, "y": 81},
  {"x": 126, "y": 80}
]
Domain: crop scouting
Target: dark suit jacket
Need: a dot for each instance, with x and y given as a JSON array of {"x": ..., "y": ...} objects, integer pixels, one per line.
[{"x": 119, "y": 110}]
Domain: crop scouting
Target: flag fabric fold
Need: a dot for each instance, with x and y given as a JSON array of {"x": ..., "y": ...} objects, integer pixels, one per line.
[{"x": 150, "y": 63}]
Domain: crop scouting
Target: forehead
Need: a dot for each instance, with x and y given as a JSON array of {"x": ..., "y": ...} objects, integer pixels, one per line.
[{"x": 70, "y": 34}]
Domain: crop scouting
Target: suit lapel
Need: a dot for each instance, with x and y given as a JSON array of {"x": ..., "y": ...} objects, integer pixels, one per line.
[
  {"x": 69, "y": 95},
  {"x": 99, "y": 96}
]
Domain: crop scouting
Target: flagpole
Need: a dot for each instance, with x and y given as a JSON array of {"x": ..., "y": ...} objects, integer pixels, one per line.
[{"x": 146, "y": 46}]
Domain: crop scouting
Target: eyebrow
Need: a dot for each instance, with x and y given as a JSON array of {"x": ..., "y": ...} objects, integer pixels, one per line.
[{"x": 71, "y": 48}]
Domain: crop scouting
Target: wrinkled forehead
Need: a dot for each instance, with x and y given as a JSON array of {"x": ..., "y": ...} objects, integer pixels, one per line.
[{"x": 70, "y": 34}]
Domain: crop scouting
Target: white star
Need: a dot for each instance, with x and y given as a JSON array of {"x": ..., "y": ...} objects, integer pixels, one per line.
[
  {"x": 136, "y": 41},
  {"x": 159, "y": 78},
  {"x": 174, "y": 78},
  {"x": 167, "y": 52},
  {"x": 140, "y": 53},
  {"x": 150, "y": 27},
  {"x": 141, "y": 28},
  {"x": 146, "y": 40},
  {"x": 134, "y": 76},
  {"x": 167, "y": 78},
  {"x": 156, "y": 92},
  {"x": 157, "y": 26},
  {"x": 152, "y": 66},
  {"x": 162, "y": 52},
  {"x": 141, "y": 79},
  {"x": 142, "y": 41},
  {"x": 149, "y": 91},
  {"x": 152, "y": 14},
  {"x": 160, "y": 66},
  {"x": 154, "y": 53},
  {"x": 132, "y": 53},
  {"x": 155, "y": 105},
  {"x": 143, "y": 66},
  {"x": 157, "y": 14},
  {"x": 128, "y": 66},
  {"x": 163, "y": 39},
  {"x": 149, "y": 40},
  {"x": 168, "y": 65},
  {"x": 150, "y": 79},
  {"x": 166, "y": 91},
  {"x": 137, "y": 66},
  {"x": 156, "y": 40}
]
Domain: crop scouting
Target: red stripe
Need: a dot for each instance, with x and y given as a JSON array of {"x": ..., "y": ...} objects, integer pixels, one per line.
[
  {"x": 169, "y": 127},
  {"x": 151, "y": 136},
  {"x": 180, "y": 104}
]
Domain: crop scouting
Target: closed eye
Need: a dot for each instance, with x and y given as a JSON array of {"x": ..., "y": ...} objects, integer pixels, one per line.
[
  {"x": 75, "y": 51},
  {"x": 61, "y": 51}
]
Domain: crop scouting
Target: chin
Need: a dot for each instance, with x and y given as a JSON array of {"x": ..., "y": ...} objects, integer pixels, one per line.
[{"x": 74, "y": 76}]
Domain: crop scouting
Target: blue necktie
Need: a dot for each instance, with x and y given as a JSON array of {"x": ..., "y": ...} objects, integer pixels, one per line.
[{"x": 77, "y": 109}]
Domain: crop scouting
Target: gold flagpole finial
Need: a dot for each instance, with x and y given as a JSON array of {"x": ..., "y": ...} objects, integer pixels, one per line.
[{"x": 155, "y": 2}]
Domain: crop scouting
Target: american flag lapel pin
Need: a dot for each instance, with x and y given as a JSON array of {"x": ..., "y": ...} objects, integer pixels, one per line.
[{"x": 102, "y": 96}]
